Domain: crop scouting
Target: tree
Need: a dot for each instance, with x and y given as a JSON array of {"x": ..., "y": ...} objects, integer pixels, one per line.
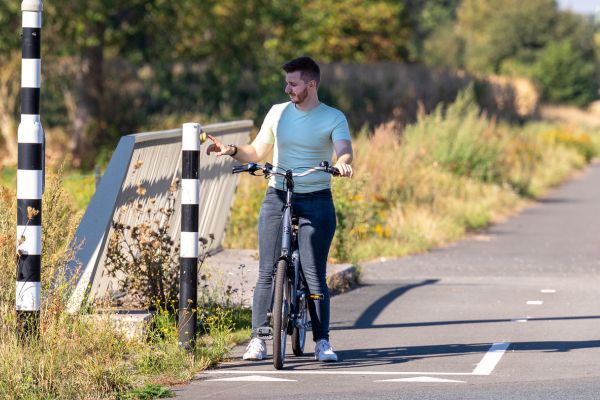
[
  {"x": 497, "y": 31},
  {"x": 357, "y": 30},
  {"x": 80, "y": 37},
  {"x": 444, "y": 47},
  {"x": 432, "y": 29},
  {"x": 565, "y": 74},
  {"x": 534, "y": 39}
]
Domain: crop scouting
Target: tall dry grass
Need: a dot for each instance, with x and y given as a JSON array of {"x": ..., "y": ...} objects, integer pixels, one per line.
[
  {"x": 453, "y": 171},
  {"x": 72, "y": 357},
  {"x": 85, "y": 355}
]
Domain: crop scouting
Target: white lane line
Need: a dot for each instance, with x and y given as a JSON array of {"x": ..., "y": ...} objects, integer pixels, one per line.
[
  {"x": 426, "y": 379},
  {"x": 336, "y": 372},
  {"x": 252, "y": 378},
  {"x": 535, "y": 302},
  {"x": 547, "y": 291},
  {"x": 491, "y": 359}
]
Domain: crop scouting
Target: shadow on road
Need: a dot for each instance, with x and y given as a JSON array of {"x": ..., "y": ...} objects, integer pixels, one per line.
[
  {"x": 367, "y": 318},
  {"x": 361, "y": 358},
  {"x": 458, "y": 322}
]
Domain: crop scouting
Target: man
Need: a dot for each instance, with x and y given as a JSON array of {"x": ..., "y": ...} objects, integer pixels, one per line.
[{"x": 304, "y": 132}]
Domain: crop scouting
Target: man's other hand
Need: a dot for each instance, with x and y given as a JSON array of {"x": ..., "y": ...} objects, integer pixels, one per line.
[{"x": 218, "y": 147}]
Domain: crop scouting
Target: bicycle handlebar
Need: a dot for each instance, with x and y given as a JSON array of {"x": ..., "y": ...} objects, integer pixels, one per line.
[{"x": 269, "y": 169}]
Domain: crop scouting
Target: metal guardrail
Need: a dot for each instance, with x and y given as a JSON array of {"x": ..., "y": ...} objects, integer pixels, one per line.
[{"x": 151, "y": 160}]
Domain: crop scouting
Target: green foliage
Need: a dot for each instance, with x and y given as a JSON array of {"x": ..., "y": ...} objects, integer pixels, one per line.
[
  {"x": 356, "y": 30},
  {"x": 459, "y": 140},
  {"x": 109, "y": 68},
  {"x": 498, "y": 30},
  {"x": 444, "y": 47},
  {"x": 10, "y": 25},
  {"x": 565, "y": 74},
  {"x": 248, "y": 199},
  {"x": 533, "y": 39},
  {"x": 148, "y": 392},
  {"x": 358, "y": 217},
  {"x": 85, "y": 356},
  {"x": 451, "y": 172}
]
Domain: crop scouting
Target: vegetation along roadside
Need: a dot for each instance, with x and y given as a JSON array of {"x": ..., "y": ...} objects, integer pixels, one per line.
[{"x": 451, "y": 172}]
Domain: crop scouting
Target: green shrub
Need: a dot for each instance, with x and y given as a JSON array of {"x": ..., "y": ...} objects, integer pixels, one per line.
[
  {"x": 565, "y": 74},
  {"x": 459, "y": 139}
]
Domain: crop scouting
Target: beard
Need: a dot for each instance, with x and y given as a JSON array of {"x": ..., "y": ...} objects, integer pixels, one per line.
[{"x": 299, "y": 97}]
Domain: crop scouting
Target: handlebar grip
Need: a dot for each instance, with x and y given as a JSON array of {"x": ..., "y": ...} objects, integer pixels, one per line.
[
  {"x": 334, "y": 171},
  {"x": 236, "y": 169},
  {"x": 250, "y": 167}
]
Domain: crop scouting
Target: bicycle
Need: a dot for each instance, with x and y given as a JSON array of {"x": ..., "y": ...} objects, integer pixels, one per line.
[{"x": 289, "y": 298}]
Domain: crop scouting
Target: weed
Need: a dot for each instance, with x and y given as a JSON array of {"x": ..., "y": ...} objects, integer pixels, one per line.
[
  {"x": 84, "y": 356},
  {"x": 453, "y": 171},
  {"x": 148, "y": 392}
]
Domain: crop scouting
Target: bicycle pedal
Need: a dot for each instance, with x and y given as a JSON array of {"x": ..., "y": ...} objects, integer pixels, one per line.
[
  {"x": 264, "y": 333},
  {"x": 316, "y": 297}
]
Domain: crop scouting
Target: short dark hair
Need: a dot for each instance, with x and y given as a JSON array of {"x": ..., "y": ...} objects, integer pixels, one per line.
[{"x": 309, "y": 69}]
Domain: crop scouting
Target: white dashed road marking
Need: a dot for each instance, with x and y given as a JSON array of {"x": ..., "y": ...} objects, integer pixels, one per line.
[
  {"x": 535, "y": 302},
  {"x": 491, "y": 359}
]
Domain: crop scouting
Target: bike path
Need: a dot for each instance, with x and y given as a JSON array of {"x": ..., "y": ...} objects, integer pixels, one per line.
[{"x": 516, "y": 314}]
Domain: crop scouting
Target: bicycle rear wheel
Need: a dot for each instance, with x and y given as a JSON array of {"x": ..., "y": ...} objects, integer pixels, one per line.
[
  {"x": 299, "y": 334},
  {"x": 281, "y": 309}
]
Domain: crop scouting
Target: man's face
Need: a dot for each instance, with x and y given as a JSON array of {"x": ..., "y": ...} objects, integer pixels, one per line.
[{"x": 295, "y": 87}]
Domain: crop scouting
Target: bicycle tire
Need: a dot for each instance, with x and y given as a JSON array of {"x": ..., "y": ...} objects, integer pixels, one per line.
[
  {"x": 299, "y": 334},
  {"x": 281, "y": 307}
]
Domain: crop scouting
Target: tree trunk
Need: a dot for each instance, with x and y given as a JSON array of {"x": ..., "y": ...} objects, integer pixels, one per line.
[
  {"x": 9, "y": 95},
  {"x": 85, "y": 102}
]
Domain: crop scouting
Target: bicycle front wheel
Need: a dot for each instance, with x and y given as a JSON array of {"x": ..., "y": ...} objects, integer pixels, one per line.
[{"x": 281, "y": 310}]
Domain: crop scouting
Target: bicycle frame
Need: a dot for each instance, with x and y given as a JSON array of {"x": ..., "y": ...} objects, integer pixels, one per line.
[{"x": 289, "y": 249}]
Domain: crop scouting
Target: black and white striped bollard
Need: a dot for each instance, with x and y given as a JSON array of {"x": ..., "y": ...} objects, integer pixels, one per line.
[
  {"x": 188, "y": 270},
  {"x": 30, "y": 174}
]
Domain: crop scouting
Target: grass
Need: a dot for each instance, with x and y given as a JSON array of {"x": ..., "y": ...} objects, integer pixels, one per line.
[
  {"x": 452, "y": 172},
  {"x": 78, "y": 357},
  {"x": 424, "y": 185},
  {"x": 79, "y": 185}
]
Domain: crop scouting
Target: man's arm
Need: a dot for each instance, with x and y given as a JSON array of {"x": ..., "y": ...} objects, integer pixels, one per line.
[
  {"x": 253, "y": 152},
  {"x": 343, "y": 151}
]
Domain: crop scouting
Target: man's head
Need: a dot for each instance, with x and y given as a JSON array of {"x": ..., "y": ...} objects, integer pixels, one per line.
[{"x": 302, "y": 79}]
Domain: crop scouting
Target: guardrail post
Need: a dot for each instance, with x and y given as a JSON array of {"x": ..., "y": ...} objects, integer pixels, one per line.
[
  {"x": 188, "y": 269},
  {"x": 30, "y": 174}
]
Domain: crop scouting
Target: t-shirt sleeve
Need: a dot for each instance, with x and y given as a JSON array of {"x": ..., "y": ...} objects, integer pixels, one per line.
[
  {"x": 266, "y": 134},
  {"x": 341, "y": 130}
]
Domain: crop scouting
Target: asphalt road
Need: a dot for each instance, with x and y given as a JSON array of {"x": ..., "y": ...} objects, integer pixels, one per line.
[{"x": 512, "y": 313}]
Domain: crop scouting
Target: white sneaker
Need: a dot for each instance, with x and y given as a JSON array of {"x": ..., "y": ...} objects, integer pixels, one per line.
[
  {"x": 256, "y": 350},
  {"x": 324, "y": 352}
]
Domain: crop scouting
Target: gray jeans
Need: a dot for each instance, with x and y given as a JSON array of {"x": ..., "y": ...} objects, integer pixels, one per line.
[{"x": 316, "y": 221}]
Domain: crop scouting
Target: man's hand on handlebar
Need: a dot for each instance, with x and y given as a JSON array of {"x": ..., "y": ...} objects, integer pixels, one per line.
[{"x": 344, "y": 169}]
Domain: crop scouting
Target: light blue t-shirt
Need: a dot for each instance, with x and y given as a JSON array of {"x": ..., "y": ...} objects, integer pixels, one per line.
[{"x": 303, "y": 139}]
